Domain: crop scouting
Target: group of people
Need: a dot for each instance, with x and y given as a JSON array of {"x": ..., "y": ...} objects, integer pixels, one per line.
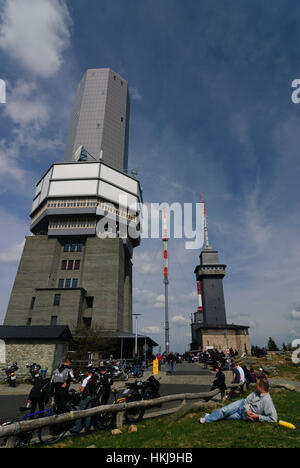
[
  {"x": 258, "y": 406},
  {"x": 57, "y": 390}
]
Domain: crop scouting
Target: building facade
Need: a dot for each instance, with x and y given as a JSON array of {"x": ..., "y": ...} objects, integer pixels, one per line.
[
  {"x": 100, "y": 119},
  {"x": 76, "y": 268},
  {"x": 209, "y": 325},
  {"x": 70, "y": 272}
]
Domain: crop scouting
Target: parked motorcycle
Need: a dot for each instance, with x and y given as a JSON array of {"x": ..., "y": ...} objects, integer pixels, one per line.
[
  {"x": 78, "y": 375},
  {"x": 11, "y": 374}
]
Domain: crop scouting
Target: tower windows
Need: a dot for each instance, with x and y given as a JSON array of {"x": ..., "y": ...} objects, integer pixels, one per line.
[
  {"x": 53, "y": 320},
  {"x": 73, "y": 247},
  {"x": 57, "y": 299},
  {"x": 68, "y": 283},
  {"x": 70, "y": 265},
  {"x": 90, "y": 301}
]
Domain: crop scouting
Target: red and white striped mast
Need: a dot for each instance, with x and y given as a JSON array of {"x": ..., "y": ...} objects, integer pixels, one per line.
[{"x": 166, "y": 280}]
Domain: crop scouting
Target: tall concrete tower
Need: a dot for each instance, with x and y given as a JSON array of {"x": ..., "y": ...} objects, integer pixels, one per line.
[
  {"x": 72, "y": 272},
  {"x": 100, "y": 118}
]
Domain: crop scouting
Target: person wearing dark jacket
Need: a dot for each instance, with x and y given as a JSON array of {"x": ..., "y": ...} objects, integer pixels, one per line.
[
  {"x": 60, "y": 384},
  {"x": 219, "y": 382}
]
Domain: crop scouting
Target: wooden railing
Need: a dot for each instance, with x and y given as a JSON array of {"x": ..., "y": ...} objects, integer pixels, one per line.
[{"x": 12, "y": 430}]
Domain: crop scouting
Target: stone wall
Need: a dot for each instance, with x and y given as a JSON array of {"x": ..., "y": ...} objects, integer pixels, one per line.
[
  {"x": 48, "y": 356},
  {"x": 237, "y": 339}
]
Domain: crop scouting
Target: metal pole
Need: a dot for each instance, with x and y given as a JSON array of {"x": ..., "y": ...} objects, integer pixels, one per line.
[{"x": 136, "y": 332}]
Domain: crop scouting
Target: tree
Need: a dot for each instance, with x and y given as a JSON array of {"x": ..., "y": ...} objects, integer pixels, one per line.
[
  {"x": 272, "y": 346},
  {"x": 94, "y": 341},
  {"x": 284, "y": 347}
]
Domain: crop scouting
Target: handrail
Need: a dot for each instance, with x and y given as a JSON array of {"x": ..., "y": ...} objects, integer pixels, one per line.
[{"x": 25, "y": 426}]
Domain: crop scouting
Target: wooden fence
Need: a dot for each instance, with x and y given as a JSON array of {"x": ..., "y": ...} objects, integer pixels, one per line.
[{"x": 12, "y": 430}]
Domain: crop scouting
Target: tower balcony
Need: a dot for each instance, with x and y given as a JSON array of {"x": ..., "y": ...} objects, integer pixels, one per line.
[{"x": 72, "y": 197}]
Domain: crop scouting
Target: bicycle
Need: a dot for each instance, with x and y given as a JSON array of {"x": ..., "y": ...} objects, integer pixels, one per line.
[{"x": 48, "y": 434}]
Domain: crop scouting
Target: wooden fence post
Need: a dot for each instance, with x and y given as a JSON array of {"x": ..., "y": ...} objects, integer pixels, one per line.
[{"x": 120, "y": 419}]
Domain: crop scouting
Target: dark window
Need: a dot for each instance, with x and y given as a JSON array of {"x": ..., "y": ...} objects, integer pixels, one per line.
[
  {"x": 61, "y": 283},
  {"x": 53, "y": 320},
  {"x": 77, "y": 265},
  {"x": 90, "y": 301},
  {"x": 122, "y": 119},
  {"x": 74, "y": 283},
  {"x": 121, "y": 83},
  {"x": 87, "y": 322},
  {"x": 67, "y": 248},
  {"x": 57, "y": 299},
  {"x": 70, "y": 264},
  {"x": 29, "y": 322},
  {"x": 79, "y": 247},
  {"x": 68, "y": 283},
  {"x": 73, "y": 247},
  {"x": 32, "y": 303},
  {"x": 64, "y": 265}
]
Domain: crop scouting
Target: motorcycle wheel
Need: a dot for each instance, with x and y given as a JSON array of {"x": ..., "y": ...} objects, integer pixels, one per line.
[
  {"x": 52, "y": 434},
  {"x": 104, "y": 421},
  {"x": 134, "y": 415}
]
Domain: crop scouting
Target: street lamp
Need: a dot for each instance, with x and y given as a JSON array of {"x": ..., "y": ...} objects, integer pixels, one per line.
[{"x": 136, "y": 332}]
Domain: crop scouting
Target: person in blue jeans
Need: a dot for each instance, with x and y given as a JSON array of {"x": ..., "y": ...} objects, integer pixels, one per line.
[
  {"x": 87, "y": 390},
  {"x": 256, "y": 407},
  {"x": 171, "y": 359}
]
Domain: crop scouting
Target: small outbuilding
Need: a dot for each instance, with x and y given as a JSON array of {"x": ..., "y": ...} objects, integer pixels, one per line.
[{"x": 43, "y": 345}]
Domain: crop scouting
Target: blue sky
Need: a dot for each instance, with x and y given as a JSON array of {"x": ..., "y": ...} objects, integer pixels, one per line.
[{"x": 211, "y": 112}]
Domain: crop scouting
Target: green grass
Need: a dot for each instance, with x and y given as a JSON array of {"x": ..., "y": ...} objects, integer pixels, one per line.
[{"x": 188, "y": 433}]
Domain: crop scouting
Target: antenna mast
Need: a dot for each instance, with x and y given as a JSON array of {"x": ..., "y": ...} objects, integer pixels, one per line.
[
  {"x": 207, "y": 246},
  {"x": 166, "y": 279}
]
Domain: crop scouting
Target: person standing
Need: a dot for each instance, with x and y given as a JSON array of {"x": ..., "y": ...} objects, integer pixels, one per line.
[
  {"x": 159, "y": 358},
  {"x": 171, "y": 359},
  {"x": 88, "y": 391},
  {"x": 136, "y": 365},
  {"x": 60, "y": 384}
]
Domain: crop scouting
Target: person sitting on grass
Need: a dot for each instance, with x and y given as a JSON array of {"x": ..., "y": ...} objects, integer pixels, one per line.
[
  {"x": 258, "y": 406},
  {"x": 219, "y": 381}
]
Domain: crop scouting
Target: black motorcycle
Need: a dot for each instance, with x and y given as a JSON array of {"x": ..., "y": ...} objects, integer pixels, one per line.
[
  {"x": 78, "y": 375},
  {"x": 136, "y": 391},
  {"x": 11, "y": 374}
]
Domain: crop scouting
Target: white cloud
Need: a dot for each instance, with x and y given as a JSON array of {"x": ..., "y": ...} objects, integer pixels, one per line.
[
  {"x": 25, "y": 106},
  {"x": 148, "y": 262},
  {"x": 12, "y": 254},
  {"x": 180, "y": 321},
  {"x": 135, "y": 94},
  {"x": 295, "y": 314},
  {"x": 154, "y": 330},
  {"x": 252, "y": 324},
  {"x": 35, "y": 33}
]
